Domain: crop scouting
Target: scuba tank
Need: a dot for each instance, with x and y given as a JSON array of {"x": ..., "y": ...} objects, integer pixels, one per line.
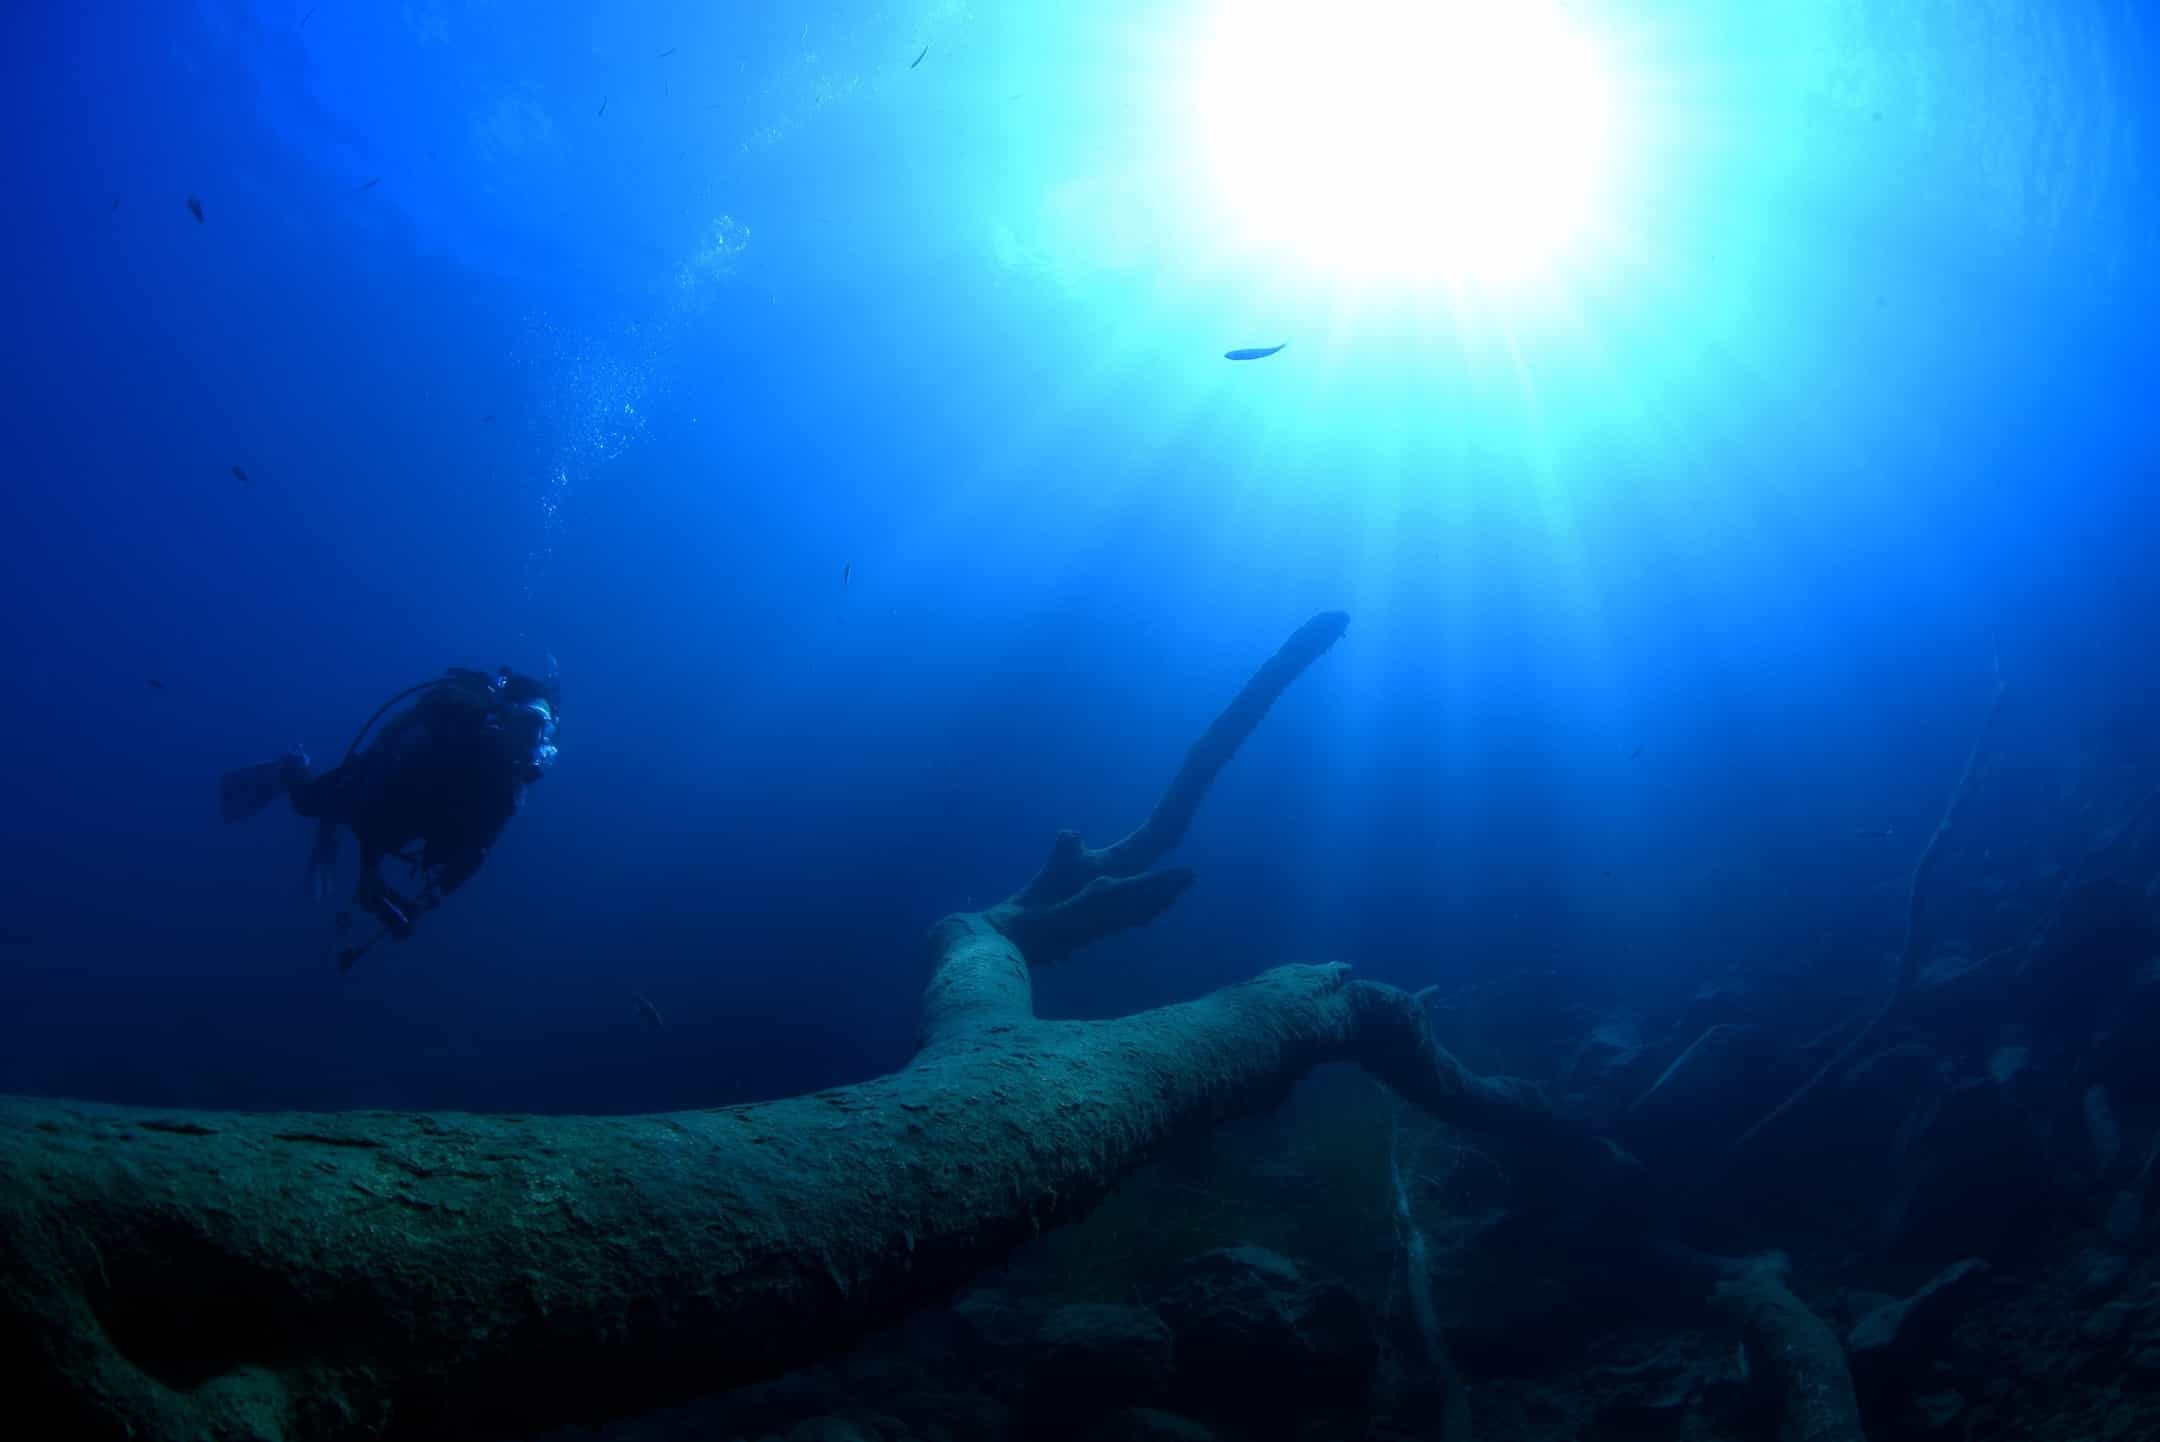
[{"x": 533, "y": 712}]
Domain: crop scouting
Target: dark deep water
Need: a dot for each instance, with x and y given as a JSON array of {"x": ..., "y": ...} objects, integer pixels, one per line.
[{"x": 858, "y": 440}]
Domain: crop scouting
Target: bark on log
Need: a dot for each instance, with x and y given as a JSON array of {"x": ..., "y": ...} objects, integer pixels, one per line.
[{"x": 226, "y": 1276}]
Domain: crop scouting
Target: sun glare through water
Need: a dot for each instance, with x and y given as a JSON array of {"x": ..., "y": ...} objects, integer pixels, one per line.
[{"x": 1466, "y": 145}]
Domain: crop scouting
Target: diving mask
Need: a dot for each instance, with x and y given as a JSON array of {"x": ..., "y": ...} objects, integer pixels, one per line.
[{"x": 534, "y": 724}]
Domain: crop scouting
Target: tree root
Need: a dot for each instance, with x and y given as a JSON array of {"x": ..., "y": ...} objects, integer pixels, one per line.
[
  {"x": 226, "y": 1276},
  {"x": 1910, "y": 954}
]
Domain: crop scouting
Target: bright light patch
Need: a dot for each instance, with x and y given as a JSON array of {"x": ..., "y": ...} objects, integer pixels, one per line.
[{"x": 1466, "y": 143}]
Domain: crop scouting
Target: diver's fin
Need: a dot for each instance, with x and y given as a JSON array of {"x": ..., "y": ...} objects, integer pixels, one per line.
[
  {"x": 351, "y": 953},
  {"x": 322, "y": 859},
  {"x": 246, "y": 792}
]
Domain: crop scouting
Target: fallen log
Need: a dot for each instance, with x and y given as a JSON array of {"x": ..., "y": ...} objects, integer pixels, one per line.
[
  {"x": 211, "y": 1277},
  {"x": 1801, "y": 1358}
]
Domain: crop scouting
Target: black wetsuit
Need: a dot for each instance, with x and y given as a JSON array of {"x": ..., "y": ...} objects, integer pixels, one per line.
[{"x": 435, "y": 787}]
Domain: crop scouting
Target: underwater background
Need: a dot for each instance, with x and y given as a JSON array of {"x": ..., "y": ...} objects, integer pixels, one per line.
[{"x": 837, "y": 393}]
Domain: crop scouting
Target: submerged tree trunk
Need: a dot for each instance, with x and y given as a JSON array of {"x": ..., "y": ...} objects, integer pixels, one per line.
[{"x": 372, "y": 1275}]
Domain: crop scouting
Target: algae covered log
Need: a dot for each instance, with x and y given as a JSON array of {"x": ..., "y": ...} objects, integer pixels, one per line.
[{"x": 379, "y": 1275}]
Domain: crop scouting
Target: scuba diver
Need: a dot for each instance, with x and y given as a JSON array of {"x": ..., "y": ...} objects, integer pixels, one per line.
[{"x": 433, "y": 789}]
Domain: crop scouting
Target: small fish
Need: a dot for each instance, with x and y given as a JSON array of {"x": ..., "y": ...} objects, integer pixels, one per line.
[
  {"x": 665, "y": 53},
  {"x": 343, "y": 923},
  {"x": 307, "y": 17},
  {"x": 845, "y": 572},
  {"x": 603, "y": 107},
  {"x": 1873, "y": 835},
  {"x": 647, "y": 1010},
  {"x": 372, "y": 182},
  {"x": 116, "y": 202},
  {"x": 240, "y": 474},
  {"x": 1635, "y": 751},
  {"x": 194, "y": 208},
  {"x": 1254, "y": 352},
  {"x": 918, "y": 58},
  {"x": 485, "y": 419},
  {"x": 156, "y": 684}
]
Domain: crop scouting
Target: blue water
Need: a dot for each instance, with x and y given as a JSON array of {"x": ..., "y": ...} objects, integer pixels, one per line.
[{"x": 1662, "y": 586}]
